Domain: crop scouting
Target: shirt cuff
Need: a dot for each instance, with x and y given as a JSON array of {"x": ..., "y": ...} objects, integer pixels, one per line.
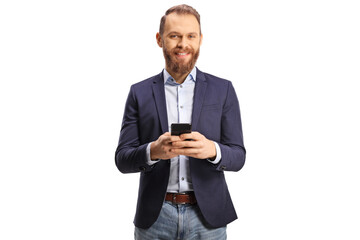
[
  {"x": 148, "y": 159},
  {"x": 218, "y": 154}
]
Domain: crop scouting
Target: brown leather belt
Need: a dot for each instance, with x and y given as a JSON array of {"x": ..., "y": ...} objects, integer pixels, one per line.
[{"x": 181, "y": 198}]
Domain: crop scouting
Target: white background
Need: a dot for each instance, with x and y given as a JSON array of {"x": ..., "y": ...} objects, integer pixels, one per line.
[{"x": 66, "y": 68}]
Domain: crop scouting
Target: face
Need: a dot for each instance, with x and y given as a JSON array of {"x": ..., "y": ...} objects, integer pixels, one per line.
[{"x": 181, "y": 42}]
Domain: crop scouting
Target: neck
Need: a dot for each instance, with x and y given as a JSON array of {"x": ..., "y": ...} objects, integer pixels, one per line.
[{"x": 178, "y": 77}]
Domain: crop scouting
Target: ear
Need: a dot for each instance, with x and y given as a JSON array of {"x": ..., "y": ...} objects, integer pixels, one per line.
[
  {"x": 158, "y": 39},
  {"x": 201, "y": 38}
]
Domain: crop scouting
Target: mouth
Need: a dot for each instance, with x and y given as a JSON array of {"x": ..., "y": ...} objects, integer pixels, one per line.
[{"x": 182, "y": 54}]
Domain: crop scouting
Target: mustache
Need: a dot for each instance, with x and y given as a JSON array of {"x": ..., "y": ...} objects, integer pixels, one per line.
[{"x": 179, "y": 50}]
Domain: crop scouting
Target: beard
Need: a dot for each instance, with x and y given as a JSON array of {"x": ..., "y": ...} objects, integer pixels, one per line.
[{"x": 179, "y": 65}]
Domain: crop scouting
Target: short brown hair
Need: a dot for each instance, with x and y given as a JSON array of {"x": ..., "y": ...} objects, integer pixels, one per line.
[{"x": 179, "y": 9}]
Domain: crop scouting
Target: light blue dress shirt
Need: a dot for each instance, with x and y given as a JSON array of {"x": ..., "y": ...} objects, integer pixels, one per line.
[{"x": 179, "y": 105}]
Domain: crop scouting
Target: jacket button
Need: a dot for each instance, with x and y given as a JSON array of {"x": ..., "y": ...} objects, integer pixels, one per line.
[
  {"x": 222, "y": 167},
  {"x": 142, "y": 168}
]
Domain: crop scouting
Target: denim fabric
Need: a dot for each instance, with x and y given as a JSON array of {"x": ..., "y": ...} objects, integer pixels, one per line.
[{"x": 180, "y": 222}]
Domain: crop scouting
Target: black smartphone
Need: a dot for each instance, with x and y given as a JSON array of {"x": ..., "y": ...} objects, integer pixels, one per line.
[{"x": 180, "y": 128}]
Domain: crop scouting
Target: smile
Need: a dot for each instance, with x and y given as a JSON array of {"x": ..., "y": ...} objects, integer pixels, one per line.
[{"x": 182, "y": 54}]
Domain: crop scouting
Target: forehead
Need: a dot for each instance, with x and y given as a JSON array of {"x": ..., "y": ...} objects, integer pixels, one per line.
[{"x": 182, "y": 23}]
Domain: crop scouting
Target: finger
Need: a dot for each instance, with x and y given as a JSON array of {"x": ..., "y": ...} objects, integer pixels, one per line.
[
  {"x": 185, "y": 151},
  {"x": 166, "y": 138},
  {"x": 186, "y": 136},
  {"x": 167, "y": 145},
  {"x": 175, "y": 138},
  {"x": 193, "y": 135},
  {"x": 170, "y": 154},
  {"x": 187, "y": 144},
  {"x": 165, "y": 141}
]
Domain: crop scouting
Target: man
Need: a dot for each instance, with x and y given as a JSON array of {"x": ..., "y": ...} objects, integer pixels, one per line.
[{"x": 182, "y": 192}]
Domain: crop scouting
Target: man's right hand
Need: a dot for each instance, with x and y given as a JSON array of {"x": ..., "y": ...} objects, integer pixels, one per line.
[{"x": 161, "y": 148}]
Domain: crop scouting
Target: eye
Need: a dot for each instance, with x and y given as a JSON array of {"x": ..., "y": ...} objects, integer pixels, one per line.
[
  {"x": 173, "y": 36},
  {"x": 192, "y": 36}
]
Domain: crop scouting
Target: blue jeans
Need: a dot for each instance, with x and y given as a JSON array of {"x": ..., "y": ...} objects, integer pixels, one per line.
[{"x": 180, "y": 222}]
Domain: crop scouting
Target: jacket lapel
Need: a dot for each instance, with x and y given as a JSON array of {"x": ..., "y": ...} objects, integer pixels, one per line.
[
  {"x": 199, "y": 95},
  {"x": 160, "y": 101}
]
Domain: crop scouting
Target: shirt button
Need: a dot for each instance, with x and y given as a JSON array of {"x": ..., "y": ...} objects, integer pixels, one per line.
[
  {"x": 181, "y": 106},
  {"x": 181, "y": 86},
  {"x": 182, "y": 179}
]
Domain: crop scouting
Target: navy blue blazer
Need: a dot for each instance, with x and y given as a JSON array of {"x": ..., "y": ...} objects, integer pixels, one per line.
[{"x": 216, "y": 115}]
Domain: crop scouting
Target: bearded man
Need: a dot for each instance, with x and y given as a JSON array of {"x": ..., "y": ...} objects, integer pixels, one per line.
[{"x": 182, "y": 192}]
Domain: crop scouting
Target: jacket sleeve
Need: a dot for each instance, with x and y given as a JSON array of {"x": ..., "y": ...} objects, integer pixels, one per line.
[
  {"x": 231, "y": 144},
  {"x": 130, "y": 155}
]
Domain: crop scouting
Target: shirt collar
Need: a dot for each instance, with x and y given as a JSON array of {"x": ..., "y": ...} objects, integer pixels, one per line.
[{"x": 170, "y": 80}]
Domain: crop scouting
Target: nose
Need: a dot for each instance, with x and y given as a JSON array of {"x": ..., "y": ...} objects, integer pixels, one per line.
[{"x": 182, "y": 43}]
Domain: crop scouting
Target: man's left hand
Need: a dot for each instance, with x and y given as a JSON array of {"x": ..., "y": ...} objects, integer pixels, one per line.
[{"x": 200, "y": 147}]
